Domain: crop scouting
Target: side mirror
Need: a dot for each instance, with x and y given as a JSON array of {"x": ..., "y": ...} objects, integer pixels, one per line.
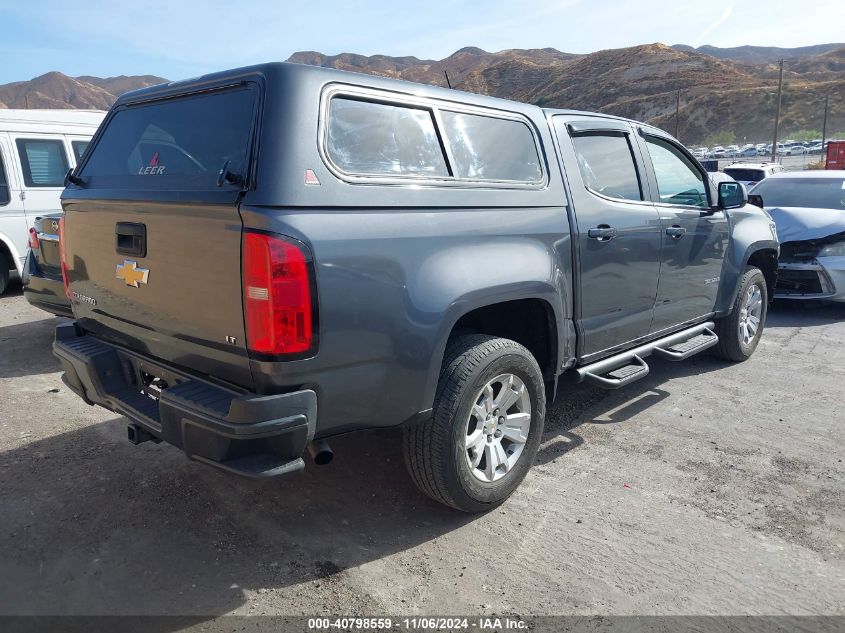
[
  {"x": 732, "y": 195},
  {"x": 756, "y": 199}
]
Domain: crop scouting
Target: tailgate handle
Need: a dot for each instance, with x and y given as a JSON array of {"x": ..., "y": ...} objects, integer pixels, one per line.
[{"x": 131, "y": 239}]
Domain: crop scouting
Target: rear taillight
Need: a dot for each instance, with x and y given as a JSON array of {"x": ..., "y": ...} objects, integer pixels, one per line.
[
  {"x": 278, "y": 295},
  {"x": 33, "y": 240},
  {"x": 63, "y": 257}
]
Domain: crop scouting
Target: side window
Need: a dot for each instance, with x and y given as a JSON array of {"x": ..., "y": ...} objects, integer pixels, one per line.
[
  {"x": 490, "y": 148},
  {"x": 678, "y": 181},
  {"x": 4, "y": 184},
  {"x": 43, "y": 161},
  {"x": 369, "y": 138},
  {"x": 607, "y": 164},
  {"x": 79, "y": 148}
]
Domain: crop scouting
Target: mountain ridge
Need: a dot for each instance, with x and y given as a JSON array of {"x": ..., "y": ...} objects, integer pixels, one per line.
[{"x": 639, "y": 82}]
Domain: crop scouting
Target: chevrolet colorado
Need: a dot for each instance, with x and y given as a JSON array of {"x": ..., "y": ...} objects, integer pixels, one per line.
[{"x": 262, "y": 258}]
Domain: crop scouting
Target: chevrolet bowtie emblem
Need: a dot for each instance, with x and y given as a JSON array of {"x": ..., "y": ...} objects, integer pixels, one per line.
[{"x": 129, "y": 272}]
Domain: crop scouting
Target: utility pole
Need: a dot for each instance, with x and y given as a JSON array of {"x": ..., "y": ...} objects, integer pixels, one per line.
[
  {"x": 26, "y": 101},
  {"x": 777, "y": 115},
  {"x": 448, "y": 83},
  {"x": 824, "y": 122},
  {"x": 678, "y": 114}
]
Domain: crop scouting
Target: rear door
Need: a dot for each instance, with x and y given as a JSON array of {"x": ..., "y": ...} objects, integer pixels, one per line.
[
  {"x": 153, "y": 233},
  {"x": 694, "y": 236},
  {"x": 618, "y": 232}
]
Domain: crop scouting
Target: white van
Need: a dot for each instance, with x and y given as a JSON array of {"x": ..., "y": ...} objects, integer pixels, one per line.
[{"x": 37, "y": 147}]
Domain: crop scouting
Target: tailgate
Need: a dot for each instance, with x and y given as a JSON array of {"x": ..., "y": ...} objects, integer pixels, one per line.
[{"x": 152, "y": 234}]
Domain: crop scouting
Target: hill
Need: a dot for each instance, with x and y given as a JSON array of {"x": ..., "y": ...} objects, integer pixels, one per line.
[
  {"x": 458, "y": 65},
  {"x": 639, "y": 82},
  {"x": 721, "y": 89},
  {"x": 56, "y": 90},
  {"x": 760, "y": 54}
]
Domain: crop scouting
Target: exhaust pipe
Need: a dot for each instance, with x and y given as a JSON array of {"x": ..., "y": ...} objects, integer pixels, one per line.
[
  {"x": 320, "y": 452},
  {"x": 138, "y": 435}
]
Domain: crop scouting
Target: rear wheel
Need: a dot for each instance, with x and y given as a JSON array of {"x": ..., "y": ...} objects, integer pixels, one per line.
[
  {"x": 485, "y": 427},
  {"x": 740, "y": 331},
  {"x": 5, "y": 266}
]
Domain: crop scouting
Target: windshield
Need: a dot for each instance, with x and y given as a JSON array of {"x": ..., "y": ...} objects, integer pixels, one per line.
[
  {"x": 815, "y": 193},
  {"x": 745, "y": 174}
]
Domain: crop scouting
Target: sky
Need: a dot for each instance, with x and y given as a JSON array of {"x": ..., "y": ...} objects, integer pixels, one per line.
[{"x": 178, "y": 39}]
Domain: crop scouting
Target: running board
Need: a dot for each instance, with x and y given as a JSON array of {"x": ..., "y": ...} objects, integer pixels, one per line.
[
  {"x": 682, "y": 351},
  {"x": 626, "y": 367}
]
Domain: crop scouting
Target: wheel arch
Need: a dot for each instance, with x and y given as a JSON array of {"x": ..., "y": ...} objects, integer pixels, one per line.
[
  {"x": 537, "y": 328},
  {"x": 762, "y": 254},
  {"x": 7, "y": 247}
]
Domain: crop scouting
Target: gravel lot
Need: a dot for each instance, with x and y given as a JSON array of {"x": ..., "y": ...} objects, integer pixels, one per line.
[{"x": 705, "y": 488}]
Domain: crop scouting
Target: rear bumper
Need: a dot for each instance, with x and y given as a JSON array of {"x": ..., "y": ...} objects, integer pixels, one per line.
[
  {"x": 46, "y": 293},
  {"x": 246, "y": 434}
]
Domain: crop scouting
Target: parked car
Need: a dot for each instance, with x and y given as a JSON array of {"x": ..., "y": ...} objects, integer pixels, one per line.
[
  {"x": 747, "y": 152},
  {"x": 794, "y": 150},
  {"x": 262, "y": 258},
  {"x": 717, "y": 177},
  {"x": 749, "y": 174},
  {"x": 815, "y": 149},
  {"x": 808, "y": 208},
  {"x": 42, "y": 274},
  {"x": 37, "y": 147}
]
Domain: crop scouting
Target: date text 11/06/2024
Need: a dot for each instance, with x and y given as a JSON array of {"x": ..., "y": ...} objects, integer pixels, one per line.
[{"x": 421, "y": 623}]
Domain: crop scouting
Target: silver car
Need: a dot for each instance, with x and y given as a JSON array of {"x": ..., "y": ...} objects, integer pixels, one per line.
[{"x": 808, "y": 208}]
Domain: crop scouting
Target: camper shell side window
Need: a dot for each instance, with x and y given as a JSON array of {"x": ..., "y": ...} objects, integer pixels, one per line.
[{"x": 378, "y": 137}]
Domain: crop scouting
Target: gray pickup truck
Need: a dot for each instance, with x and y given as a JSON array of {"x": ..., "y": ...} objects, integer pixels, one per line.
[{"x": 263, "y": 258}]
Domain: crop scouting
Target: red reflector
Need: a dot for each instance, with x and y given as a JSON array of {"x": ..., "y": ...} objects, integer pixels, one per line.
[
  {"x": 33, "y": 240},
  {"x": 63, "y": 257},
  {"x": 277, "y": 295}
]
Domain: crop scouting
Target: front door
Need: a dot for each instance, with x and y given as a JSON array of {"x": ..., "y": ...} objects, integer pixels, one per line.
[
  {"x": 13, "y": 227},
  {"x": 694, "y": 235},
  {"x": 618, "y": 230}
]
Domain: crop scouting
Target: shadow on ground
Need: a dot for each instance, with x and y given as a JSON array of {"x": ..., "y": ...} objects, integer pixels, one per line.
[
  {"x": 93, "y": 525},
  {"x": 788, "y": 313},
  {"x": 26, "y": 347}
]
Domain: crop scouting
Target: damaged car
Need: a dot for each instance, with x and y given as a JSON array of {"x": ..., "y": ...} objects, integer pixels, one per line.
[{"x": 809, "y": 210}]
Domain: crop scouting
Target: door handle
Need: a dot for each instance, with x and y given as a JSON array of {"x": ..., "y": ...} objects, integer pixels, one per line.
[
  {"x": 602, "y": 233},
  {"x": 130, "y": 238},
  {"x": 676, "y": 232}
]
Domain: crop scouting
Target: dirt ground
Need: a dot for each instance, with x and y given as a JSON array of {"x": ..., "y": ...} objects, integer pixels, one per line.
[{"x": 705, "y": 488}]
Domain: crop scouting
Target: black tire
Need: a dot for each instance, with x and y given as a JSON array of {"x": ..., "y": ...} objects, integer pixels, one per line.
[
  {"x": 5, "y": 266},
  {"x": 730, "y": 345},
  {"x": 435, "y": 451}
]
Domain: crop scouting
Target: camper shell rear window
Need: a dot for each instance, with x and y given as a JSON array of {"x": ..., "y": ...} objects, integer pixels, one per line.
[
  {"x": 187, "y": 143},
  {"x": 381, "y": 138}
]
